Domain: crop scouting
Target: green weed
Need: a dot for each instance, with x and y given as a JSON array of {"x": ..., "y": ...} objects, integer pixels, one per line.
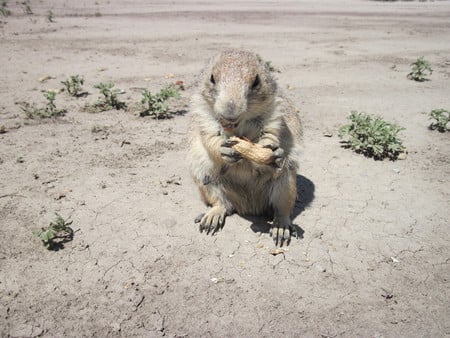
[
  {"x": 73, "y": 85},
  {"x": 372, "y": 136},
  {"x": 98, "y": 129},
  {"x": 109, "y": 100},
  {"x": 440, "y": 118},
  {"x": 27, "y": 7},
  {"x": 156, "y": 105},
  {"x": 50, "y": 16},
  {"x": 4, "y": 8},
  {"x": 49, "y": 111},
  {"x": 271, "y": 67},
  {"x": 56, "y": 233},
  {"x": 268, "y": 65},
  {"x": 420, "y": 69}
]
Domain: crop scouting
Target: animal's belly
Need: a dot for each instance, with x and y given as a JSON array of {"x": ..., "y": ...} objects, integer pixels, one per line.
[{"x": 248, "y": 192}]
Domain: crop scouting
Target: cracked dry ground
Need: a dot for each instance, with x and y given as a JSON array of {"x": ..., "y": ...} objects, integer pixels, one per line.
[{"x": 372, "y": 258}]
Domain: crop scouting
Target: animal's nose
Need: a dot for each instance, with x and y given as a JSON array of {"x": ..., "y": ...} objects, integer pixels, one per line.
[
  {"x": 231, "y": 108},
  {"x": 231, "y": 111}
]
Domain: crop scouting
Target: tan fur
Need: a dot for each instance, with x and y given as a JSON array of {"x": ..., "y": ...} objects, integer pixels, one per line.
[{"x": 238, "y": 96}]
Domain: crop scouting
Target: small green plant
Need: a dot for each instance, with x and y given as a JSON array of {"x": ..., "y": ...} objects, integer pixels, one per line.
[
  {"x": 50, "y": 16},
  {"x": 271, "y": 67},
  {"x": 27, "y": 7},
  {"x": 49, "y": 111},
  {"x": 56, "y": 233},
  {"x": 157, "y": 105},
  {"x": 4, "y": 8},
  {"x": 110, "y": 100},
  {"x": 73, "y": 85},
  {"x": 30, "y": 110},
  {"x": 372, "y": 136},
  {"x": 440, "y": 118},
  {"x": 420, "y": 69},
  {"x": 268, "y": 65},
  {"x": 98, "y": 129},
  {"x": 50, "y": 96}
]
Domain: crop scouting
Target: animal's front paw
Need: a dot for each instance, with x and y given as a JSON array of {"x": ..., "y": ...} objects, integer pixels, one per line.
[
  {"x": 212, "y": 221},
  {"x": 278, "y": 155},
  {"x": 228, "y": 154},
  {"x": 281, "y": 231}
]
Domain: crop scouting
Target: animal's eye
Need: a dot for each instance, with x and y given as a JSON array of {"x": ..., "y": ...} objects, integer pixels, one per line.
[
  {"x": 256, "y": 82},
  {"x": 213, "y": 81}
]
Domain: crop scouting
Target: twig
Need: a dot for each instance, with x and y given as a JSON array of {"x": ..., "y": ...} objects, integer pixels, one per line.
[{"x": 11, "y": 195}]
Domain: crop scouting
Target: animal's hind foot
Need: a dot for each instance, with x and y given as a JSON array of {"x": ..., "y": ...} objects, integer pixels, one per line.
[
  {"x": 281, "y": 231},
  {"x": 212, "y": 221}
]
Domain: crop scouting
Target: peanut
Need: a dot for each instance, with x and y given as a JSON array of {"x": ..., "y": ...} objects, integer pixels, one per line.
[{"x": 252, "y": 151}]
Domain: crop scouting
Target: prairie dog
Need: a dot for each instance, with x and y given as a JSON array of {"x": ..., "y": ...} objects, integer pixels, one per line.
[{"x": 237, "y": 96}]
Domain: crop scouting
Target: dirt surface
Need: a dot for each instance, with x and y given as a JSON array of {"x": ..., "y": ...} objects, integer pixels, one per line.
[{"x": 373, "y": 254}]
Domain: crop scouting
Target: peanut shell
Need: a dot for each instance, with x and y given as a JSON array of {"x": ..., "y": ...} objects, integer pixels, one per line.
[{"x": 252, "y": 151}]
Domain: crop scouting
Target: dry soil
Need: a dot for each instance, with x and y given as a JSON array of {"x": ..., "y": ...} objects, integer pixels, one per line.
[{"x": 373, "y": 254}]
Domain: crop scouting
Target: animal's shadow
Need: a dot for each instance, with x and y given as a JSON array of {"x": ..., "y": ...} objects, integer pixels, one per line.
[{"x": 305, "y": 195}]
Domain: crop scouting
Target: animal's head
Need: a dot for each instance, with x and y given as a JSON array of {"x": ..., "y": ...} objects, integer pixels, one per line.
[{"x": 238, "y": 86}]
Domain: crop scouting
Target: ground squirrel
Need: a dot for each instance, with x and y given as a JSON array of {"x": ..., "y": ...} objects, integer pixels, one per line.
[{"x": 238, "y": 96}]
